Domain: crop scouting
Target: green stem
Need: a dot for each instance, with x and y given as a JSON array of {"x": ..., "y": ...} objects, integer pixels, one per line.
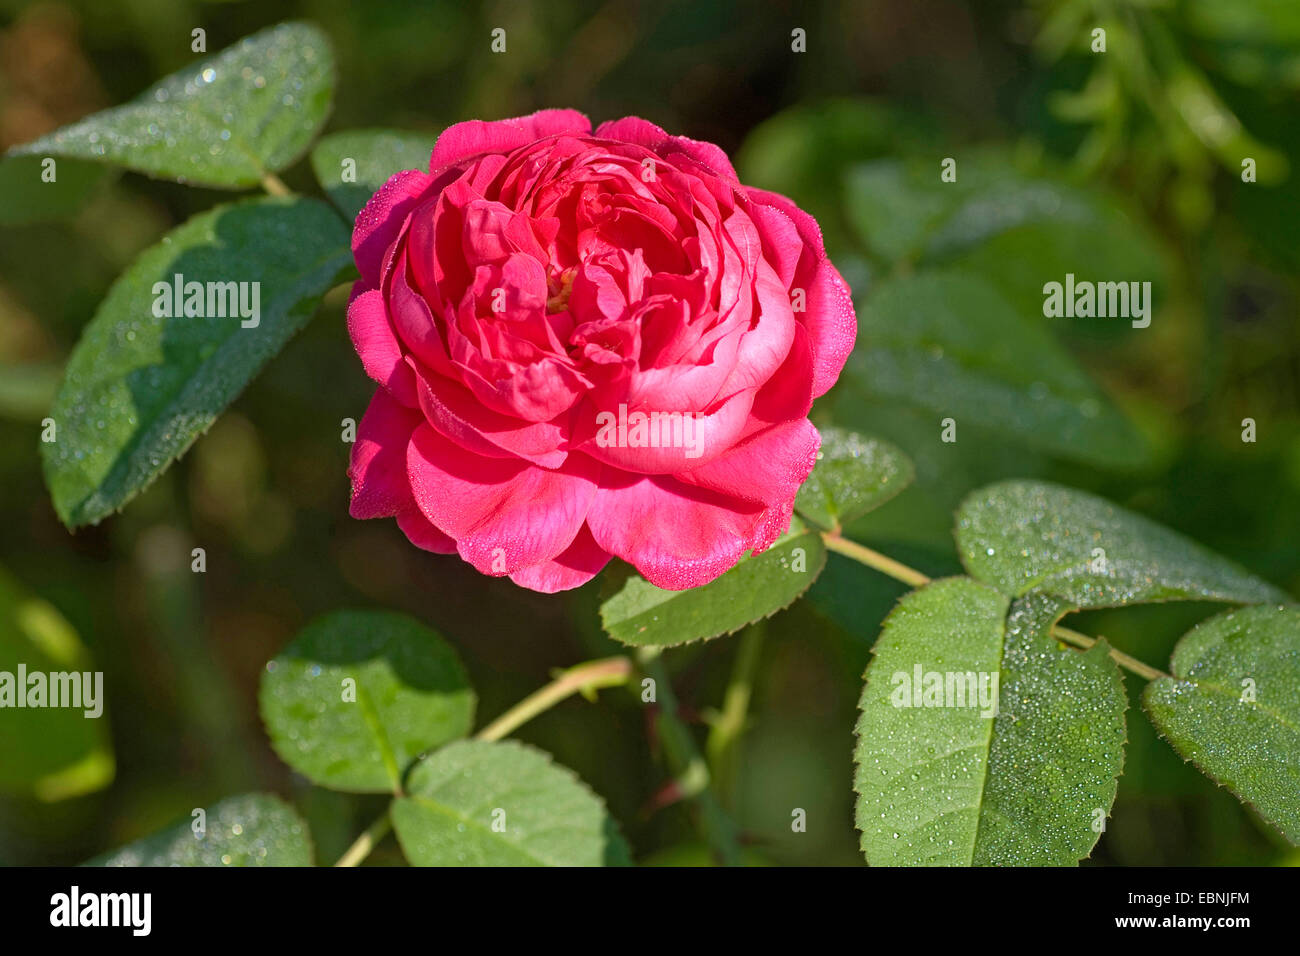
[
  {"x": 727, "y": 727},
  {"x": 584, "y": 679},
  {"x": 910, "y": 576},
  {"x": 687, "y": 765},
  {"x": 361, "y": 847},
  {"x": 274, "y": 185}
]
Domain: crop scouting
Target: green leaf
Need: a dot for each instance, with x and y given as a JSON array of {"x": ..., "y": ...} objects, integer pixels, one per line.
[
  {"x": 475, "y": 803},
  {"x": 139, "y": 389},
  {"x": 641, "y": 614},
  {"x": 940, "y": 779},
  {"x": 1233, "y": 710},
  {"x": 949, "y": 343},
  {"x": 48, "y": 752},
  {"x": 375, "y": 154},
  {"x": 1027, "y": 535},
  {"x": 29, "y": 198},
  {"x": 358, "y": 695},
  {"x": 256, "y": 829},
  {"x": 226, "y": 121},
  {"x": 853, "y": 475}
]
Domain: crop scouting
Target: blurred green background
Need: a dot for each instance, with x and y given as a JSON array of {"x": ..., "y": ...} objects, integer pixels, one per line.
[{"x": 1149, "y": 136}]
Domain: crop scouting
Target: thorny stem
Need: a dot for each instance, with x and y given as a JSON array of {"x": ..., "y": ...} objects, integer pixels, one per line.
[
  {"x": 584, "y": 679},
  {"x": 910, "y": 576},
  {"x": 684, "y": 760}
]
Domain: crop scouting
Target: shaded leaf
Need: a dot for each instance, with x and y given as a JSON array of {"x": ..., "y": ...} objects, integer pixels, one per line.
[
  {"x": 140, "y": 388},
  {"x": 48, "y": 752},
  {"x": 223, "y": 122},
  {"x": 256, "y": 829},
  {"x": 1233, "y": 709},
  {"x": 358, "y": 695},
  {"x": 1028, "y": 535},
  {"x": 475, "y": 803},
  {"x": 376, "y": 154},
  {"x": 853, "y": 475},
  {"x": 641, "y": 614},
  {"x": 948, "y": 342}
]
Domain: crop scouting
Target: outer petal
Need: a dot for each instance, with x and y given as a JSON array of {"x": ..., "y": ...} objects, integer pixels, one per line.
[
  {"x": 378, "y": 469},
  {"x": 677, "y": 535},
  {"x": 421, "y": 532},
  {"x": 633, "y": 129},
  {"x": 476, "y": 137},
  {"x": 504, "y": 514},
  {"x": 376, "y": 342},
  {"x": 577, "y": 565},
  {"x": 380, "y": 222},
  {"x": 830, "y": 320}
]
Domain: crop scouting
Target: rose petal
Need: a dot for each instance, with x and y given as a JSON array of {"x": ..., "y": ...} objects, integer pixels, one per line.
[
  {"x": 575, "y": 566},
  {"x": 378, "y": 467},
  {"x": 475, "y": 137},
  {"x": 380, "y": 222},
  {"x": 376, "y": 342}
]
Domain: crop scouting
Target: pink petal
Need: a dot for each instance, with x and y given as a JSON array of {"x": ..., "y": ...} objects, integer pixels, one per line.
[
  {"x": 380, "y": 488},
  {"x": 380, "y": 222},
  {"x": 677, "y": 535},
  {"x": 421, "y": 532},
  {"x": 504, "y": 514},
  {"x": 376, "y": 342},
  {"x": 830, "y": 320},
  {"x": 633, "y": 129},
  {"x": 577, "y": 565},
  {"x": 476, "y": 137}
]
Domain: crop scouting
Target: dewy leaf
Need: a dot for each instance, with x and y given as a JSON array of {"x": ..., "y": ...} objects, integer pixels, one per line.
[
  {"x": 1027, "y": 535},
  {"x": 1233, "y": 707},
  {"x": 352, "y": 165},
  {"x": 853, "y": 475},
  {"x": 946, "y": 341},
  {"x": 256, "y": 829},
  {"x": 51, "y": 752},
  {"x": 140, "y": 387},
  {"x": 641, "y": 614},
  {"x": 358, "y": 695},
  {"x": 475, "y": 803},
  {"x": 224, "y": 122},
  {"x": 982, "y": 744}
]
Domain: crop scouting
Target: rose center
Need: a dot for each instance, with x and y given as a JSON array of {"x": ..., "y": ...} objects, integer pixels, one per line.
[{"x": 559, "y": 287}]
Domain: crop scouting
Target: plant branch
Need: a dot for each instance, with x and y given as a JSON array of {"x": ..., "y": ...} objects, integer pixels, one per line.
[
  {"x": 274, "y": 185},
  {"x": 584, "y": 678},
  {"x": 687, "y": 765},
  {"x": 910, "y": 576},
  {"x": 726, "y": 727},
  {"x": 361, "y": 847}
]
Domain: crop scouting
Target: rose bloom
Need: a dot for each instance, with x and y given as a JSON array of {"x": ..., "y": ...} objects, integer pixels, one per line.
[{"x": 542, "y": 293}]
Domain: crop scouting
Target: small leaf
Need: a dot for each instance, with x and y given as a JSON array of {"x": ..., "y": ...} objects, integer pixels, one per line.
[
  {"x": 375, "y": 155},
  {"x": 358, "y": 695},
  {"x": 641, "y": 614},
  {"x": 1232, "y": 708},
  {"x": 29, "y": 198},
  {"x": 1026, "y": 535},
  {"x": 940, "y": 779},
  {"x": 475, "y": 803},
  {"x": 49, "y": 752},
  {"x": 256, "y": 829},
  {"x": 853, "y": 475},
  {"x": 946, "y": 341},
  {"x": 140, "y": 388},
  {"x": 223, "y": 122}
]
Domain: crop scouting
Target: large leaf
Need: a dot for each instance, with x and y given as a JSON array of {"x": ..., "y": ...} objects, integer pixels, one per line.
[
  {"x": 256, "y": 829},
  {"x": 352, "y": 165},
  {"x": 49, "y": 752},
  {"x": 140, "y": 388},
  {"x": 1027, "y": 535},
  {"x": 948, "y": 342},
  {"x": 475, "y": 803},
  {"x": 942, "y": 777},
  {"x": 1233, "y": 707},
  {"x": 358, "y": 695},
  {"x": 641, "y": 614},
  {"x": 853, "y": 475},
  {"x": 224, "y": 122}
]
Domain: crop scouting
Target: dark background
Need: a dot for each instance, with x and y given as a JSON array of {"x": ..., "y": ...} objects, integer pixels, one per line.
[{"x": 265, "y": 492}]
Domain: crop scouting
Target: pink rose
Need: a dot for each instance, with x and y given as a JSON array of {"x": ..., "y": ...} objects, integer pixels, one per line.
[{"x": 589, "y": 344}]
